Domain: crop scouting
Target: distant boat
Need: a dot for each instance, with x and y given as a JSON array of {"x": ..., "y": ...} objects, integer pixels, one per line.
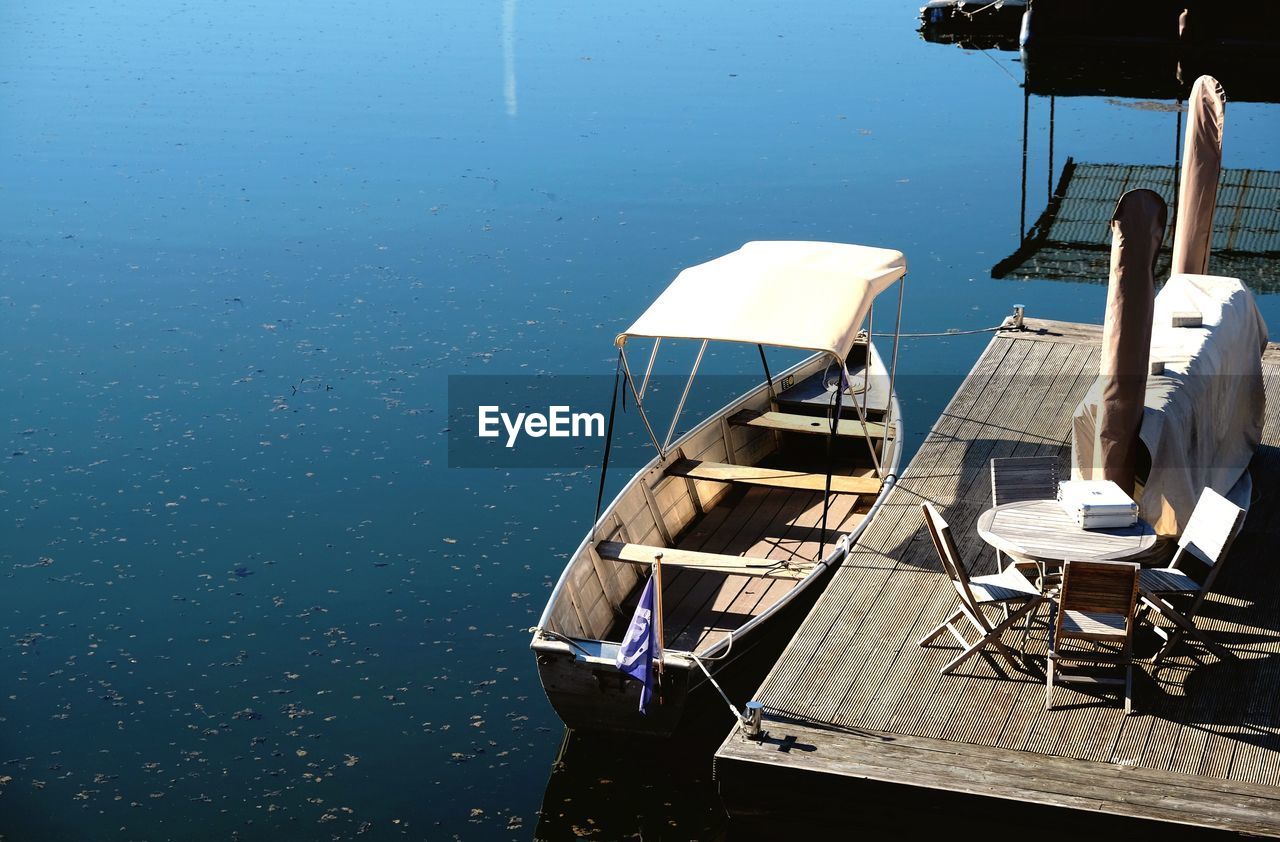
[{"x": 736, "y": 507}]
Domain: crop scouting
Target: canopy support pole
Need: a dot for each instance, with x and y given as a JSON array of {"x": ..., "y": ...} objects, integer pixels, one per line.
[
  {"x": 653, "y": 355},
  {"x": 865, "y": 388},
  {"x": 644, "y": 416},
  {"x": 671, "y": 431},
  {"x": 860, "y": 396},
  {"x": 831, "y": 440},
  {"x": 773, "y": 397},
  {"x": 862, "y": 415},
  {"x": 608, "y": 444},
  {"x": 893, "y": 366}
]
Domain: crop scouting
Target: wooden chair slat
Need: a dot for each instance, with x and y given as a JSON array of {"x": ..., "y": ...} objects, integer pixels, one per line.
[
  {"x": 1018, "y": 478},
  {"x": 1096, "y": 605}
]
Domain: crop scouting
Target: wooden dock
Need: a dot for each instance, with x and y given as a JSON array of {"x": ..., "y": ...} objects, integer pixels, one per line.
[{"x": 855, "y": 706}]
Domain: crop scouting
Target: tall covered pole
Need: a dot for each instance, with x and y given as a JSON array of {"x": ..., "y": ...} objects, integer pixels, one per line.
[
  {"x": 1137, "y": 229},
  {"x": 1198, "y": 186}
]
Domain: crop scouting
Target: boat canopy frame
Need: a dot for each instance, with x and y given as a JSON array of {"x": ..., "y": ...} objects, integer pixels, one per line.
[
  {"x": 784, "y": 277},
  {"x": 774, "y": 282}
]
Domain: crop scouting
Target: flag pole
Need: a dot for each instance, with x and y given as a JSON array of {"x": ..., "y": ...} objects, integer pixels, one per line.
[{"x": 657, "y": 604}]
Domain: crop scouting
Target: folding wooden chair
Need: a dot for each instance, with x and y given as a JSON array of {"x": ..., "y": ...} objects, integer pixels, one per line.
[
  {"x": 1009, "y": 589},
  {"x": 1018, "y": 478},
  {"x": 1096, "y": 606},
  {"x": 1213, "y": 526}
]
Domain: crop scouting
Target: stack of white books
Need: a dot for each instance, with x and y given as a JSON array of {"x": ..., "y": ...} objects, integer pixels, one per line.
[{"x": 1097, "y": 504}]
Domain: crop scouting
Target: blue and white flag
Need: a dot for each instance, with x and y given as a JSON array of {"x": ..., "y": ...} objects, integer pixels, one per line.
[{"x": 640, "y": 646}]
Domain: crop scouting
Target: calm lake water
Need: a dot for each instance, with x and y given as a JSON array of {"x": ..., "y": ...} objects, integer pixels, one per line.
[{"x": 244, "y": 246}]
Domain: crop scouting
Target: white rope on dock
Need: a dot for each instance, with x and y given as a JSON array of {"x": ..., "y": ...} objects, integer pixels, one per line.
[
  {"x": 1007, "y": 324},
  {"x": 737, "y": 714}
]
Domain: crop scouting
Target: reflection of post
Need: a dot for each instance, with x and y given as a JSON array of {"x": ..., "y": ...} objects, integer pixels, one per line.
[
  {"x": 1022, "y": 215},
  {"x": 509, "y": 55},
  {"x": 1052, "y": 100}
]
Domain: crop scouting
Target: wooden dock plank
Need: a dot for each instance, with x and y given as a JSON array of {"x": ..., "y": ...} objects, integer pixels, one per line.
[
  {"x": 1000, "y": 773},
  {"x": 1049, "y": 393},
  {"x": 1204, "y": 744},
  {"x": 850, "y": 597},
  {"x": 1039, "y": 373},
  {"x": 968, "y": 497}
]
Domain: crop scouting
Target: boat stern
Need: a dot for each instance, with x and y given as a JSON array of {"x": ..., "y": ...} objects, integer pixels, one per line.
[{"x": 590, "y": 693}]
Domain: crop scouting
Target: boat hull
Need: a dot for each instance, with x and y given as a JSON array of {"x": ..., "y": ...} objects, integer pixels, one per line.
[
  {"x": 577, "y": 668},
  {"x": 597, "y": 697}
]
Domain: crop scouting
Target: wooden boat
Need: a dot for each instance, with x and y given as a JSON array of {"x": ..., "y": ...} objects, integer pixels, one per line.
[{"x": 736, "y": 507}]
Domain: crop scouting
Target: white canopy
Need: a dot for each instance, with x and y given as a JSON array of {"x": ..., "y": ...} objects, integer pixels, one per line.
[{"x": 806, "y": 295}]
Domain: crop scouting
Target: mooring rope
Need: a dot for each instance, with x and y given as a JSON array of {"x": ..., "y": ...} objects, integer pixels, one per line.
[
  {"x": 981, "y": 10},
  {"x": 1007, "y": 324},
  {"x": 555, "y": 635},
  {"x": 737, "y": 714}
]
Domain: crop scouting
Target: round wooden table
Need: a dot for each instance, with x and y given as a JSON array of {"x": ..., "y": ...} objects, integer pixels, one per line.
[{"x": 1043, "y": 531}]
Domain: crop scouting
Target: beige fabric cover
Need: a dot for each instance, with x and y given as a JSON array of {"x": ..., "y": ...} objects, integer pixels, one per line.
[
  {"x": 806, "y": 295},
  {"x": 1201, "y": 166},
  {"x": 1203, "y": 416},
  {"x": 1137, "y": 229}
]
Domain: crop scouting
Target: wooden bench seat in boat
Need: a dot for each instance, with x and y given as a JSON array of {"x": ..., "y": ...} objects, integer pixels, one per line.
[
  {"x": 707, "y": 562},
  {"x": 772, "y": 477},
  {"x": 787, "y": 422}
]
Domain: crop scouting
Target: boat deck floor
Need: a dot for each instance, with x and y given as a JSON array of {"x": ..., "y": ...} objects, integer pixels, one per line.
[{"x": 701, "y": 608}]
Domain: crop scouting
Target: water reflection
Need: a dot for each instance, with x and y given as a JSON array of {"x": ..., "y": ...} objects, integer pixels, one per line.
[
  {"x": 1095, "y": 47},
  {"x": 509, "y": 56},
  {"x": 1069, "y": 239},
  {"x": 613, "y": 788}
]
